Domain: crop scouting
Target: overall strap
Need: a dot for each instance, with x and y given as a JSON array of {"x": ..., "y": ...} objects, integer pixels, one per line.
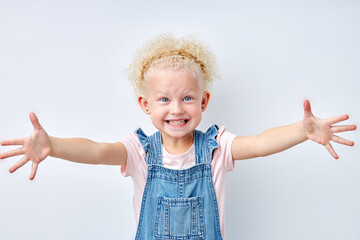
[
  {"x": 205, "y": 143},
  {"x": 152, "y": 146}
]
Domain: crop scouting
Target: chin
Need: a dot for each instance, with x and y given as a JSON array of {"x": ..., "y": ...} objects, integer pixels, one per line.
[{"x": 178, "y": 134}]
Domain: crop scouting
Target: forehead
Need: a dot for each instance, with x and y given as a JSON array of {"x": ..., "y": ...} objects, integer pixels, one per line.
[{"x": 159, "y": 78}]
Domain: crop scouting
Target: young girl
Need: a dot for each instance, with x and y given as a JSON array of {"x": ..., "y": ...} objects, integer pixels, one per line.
[{"x": 178, "y": 172}]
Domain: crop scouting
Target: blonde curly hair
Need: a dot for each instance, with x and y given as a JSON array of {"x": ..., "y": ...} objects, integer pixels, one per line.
[{"x": 167, "y": 51}]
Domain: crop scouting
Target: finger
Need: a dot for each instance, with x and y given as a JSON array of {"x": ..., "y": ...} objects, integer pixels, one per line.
[
  {"x": 337, "y": 119},
  {"x": 342, "y": 140},
  {"x": 343, "y": 128},
  {"x": 17, "y": 141},
  {"x": 307, "y": 109},
  {"x": 331, "y": 150},
  {"x": 19, "y": 164},
  {"x": 35, "y": 121},
  {"x": 12, "y": 153},
  {"x": 33, "y": 170}
]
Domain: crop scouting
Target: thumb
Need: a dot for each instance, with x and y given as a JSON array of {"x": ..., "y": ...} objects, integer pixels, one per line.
[
  {"x": 35, "y": 121},
  {"x": 307, "y": 109}
]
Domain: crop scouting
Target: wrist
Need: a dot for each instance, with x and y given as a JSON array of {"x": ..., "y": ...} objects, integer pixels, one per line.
[
  {"x": 52, "y": 143},
  {"x": 302, "y": 130}
]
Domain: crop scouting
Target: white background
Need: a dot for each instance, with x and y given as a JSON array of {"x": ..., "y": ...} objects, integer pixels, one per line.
[{"x": 64, "y": 60}]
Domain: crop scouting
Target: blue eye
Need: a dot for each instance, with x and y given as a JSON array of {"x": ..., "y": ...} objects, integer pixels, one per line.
[
  {"x": 187, "y": 98},
  {"x": 164, "y": 100}
]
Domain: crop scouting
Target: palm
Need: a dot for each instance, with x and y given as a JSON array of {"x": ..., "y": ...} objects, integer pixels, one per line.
[
  {"x": 35, "y": 147},
  {"x": 317, "y": 130},
  {"x": 322, "y": 130}
]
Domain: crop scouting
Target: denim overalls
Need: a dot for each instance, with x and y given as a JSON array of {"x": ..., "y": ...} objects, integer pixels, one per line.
[{"x": 179, "y": 204}]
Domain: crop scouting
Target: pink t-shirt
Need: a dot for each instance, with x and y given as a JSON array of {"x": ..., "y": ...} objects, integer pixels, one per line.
[{"x": 136, "y": 167}]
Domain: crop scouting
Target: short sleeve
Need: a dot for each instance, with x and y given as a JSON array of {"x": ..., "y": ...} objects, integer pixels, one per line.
[
  {"x": 223, "y": 152},
  {"x": 135, "y": 154}
]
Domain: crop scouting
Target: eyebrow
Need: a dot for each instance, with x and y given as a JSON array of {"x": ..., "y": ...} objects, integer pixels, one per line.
[{"x": 192, "y": 91}]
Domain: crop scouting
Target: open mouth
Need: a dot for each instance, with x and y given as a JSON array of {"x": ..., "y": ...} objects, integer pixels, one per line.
[{"x": 177, "y": 122}]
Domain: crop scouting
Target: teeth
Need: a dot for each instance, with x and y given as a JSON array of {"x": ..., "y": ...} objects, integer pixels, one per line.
[{"x": 177, "y": 122}]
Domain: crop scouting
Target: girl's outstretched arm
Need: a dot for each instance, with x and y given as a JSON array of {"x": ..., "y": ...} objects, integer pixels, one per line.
[
  {"x": 39, "y": 145},
  {"x": 281, "y": 138}
]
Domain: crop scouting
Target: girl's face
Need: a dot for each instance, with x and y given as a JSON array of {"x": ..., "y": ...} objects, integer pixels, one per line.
[{"x": 175, "y": 101}]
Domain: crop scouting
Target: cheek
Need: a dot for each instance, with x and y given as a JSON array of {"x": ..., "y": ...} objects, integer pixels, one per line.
[
  {"x": 195, "y": 110},
  {"x": 157, "y": 113}
]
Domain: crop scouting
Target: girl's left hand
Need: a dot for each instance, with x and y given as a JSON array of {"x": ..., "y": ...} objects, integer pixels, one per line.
[{"x": 322, "y": 131}]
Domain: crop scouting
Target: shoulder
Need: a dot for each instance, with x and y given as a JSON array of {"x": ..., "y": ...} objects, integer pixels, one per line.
[
  {"x": 131, "y": 138},
  {"x": 215, "y": 135},
  {"x": 132, "y": 143},
  {"x": 135, "y": 154},
  {"x": 222, "y": 158},
  {"x": 224, "y": 136}
]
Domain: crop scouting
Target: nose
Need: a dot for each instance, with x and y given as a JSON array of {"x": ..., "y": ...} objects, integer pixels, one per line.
[{"x": 176, "y": 108}]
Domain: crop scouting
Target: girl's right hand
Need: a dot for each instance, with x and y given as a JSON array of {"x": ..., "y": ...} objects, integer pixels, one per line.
[{"x": 35, "y": 147}]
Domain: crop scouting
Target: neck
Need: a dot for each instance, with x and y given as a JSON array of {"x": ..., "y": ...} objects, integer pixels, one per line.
[{"x": 177, "y": 145}]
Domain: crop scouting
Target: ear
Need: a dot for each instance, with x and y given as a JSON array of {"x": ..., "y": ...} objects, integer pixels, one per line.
[
  {"x": 144, "y": 104},
  {"x": 205, "y": 100}
]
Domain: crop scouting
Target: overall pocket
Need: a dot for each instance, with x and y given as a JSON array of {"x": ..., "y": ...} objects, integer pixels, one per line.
[{"x": 179, "y": 218}]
